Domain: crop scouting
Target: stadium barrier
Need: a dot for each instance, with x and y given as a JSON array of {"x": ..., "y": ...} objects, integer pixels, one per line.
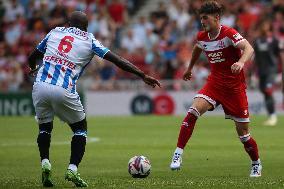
[
  {"x": 131, "y": 102},
  {"x": 160, "y": 103},
  {"x": 20, "y": 104},
  {"x": 16, "y": 104}
]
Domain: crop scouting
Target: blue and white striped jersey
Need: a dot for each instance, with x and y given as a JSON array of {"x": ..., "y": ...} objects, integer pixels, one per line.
[{"x": 67, "y": 51}]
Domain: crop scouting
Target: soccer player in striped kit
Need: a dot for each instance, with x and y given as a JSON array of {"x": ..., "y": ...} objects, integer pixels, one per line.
[
  {"x": 66, "y": 51},
  {"x": 227, "y": 51}
]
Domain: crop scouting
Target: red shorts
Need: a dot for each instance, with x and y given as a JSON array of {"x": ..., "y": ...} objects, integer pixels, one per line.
[{"x": 234, "y": 103}]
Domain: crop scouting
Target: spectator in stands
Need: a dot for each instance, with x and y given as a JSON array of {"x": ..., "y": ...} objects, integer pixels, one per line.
[
  {"x": 118, "y": 12},
  {"x": 174, "y": 22},
  {"x": 228, "y": 19},
  {"x": 131, "y": 42},
  {"x": 13, "y": 10}
]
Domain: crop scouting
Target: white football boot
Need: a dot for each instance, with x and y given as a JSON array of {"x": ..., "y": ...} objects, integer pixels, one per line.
[
  {"x": 271, "y": 121},
  {"x": 176, "y": 161},
  {"x": 256, "y": 170}
]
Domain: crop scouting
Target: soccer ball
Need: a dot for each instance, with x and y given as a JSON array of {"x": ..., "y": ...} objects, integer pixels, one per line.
[{"x": 139, "y": 167}]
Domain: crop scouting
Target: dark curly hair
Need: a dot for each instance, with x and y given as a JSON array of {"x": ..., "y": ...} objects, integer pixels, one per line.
[{"x": 211, "y": 7}]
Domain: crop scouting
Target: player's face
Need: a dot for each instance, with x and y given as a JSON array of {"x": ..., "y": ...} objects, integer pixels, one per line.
[{"x": 209, "y": 22}]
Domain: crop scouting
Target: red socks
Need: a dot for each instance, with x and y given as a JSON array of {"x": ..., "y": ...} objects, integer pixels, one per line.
[
  {"x": 186, "y": 129},
  {"x": 250, "y": 146}
]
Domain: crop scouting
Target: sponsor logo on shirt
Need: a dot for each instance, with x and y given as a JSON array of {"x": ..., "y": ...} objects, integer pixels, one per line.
[
  {"x": 215, "y": 57},
  {"x": 61, "y": 61}
]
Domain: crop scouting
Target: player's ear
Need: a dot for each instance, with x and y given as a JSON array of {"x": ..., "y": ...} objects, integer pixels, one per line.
[{"x": 217, "y": 17}]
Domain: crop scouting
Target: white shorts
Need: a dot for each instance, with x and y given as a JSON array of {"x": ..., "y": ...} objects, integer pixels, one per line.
[{"x": 50, "y": 100}]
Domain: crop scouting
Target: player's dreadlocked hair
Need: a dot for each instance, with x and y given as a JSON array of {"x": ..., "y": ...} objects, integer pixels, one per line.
[{"x": 211, "y": 7}]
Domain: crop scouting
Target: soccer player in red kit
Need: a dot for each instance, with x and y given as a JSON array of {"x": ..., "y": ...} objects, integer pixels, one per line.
[{"x": 227, "y": 51}]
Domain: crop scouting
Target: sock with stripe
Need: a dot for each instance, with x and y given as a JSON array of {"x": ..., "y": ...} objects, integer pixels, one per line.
[
  {"x": 187, "y": 127},
  {"x": 43, "y": 139},
  {"x": 250, "y": 147}
]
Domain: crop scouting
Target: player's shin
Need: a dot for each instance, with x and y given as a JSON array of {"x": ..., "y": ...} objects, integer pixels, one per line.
[
  {"x": 187, "y": 127},
  {"x": 78, "y": 144},
  {"x": 185, "y": 133},
  {"x": 250, "y": 147},
  {"x": 269, "y": 103},
  {"x": 77, "y": 149},
  {"x": 252, "y": 150},
  {"x": 43, "y": 139}
]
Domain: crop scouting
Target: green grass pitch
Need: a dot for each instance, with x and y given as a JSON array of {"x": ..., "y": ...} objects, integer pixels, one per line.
[{"x": 214, "y": 157}]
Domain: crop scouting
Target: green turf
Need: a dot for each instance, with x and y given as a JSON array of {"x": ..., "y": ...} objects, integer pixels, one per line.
[{"x": 214, "y": 157}]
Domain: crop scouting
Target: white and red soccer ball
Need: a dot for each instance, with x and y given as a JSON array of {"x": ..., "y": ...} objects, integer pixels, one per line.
[{"x": 139, "y": 167}]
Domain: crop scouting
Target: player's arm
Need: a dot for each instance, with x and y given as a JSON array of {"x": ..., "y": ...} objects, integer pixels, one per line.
[
  {"x": 125, "y": 65},
  {"x": 195, "y": 56},
  {"x": 247, "y": 52},
  {"x": 37, "y": 54},
  {"x": 32, "y": 59}
]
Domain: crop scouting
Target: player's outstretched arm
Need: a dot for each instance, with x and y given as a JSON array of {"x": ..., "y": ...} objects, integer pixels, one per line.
[
  {"x": 32, "y": 59},
  {"x": 129, "y": 67}
]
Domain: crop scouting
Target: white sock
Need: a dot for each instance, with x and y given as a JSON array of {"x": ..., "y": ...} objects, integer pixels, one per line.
[
  {"x": 73, "y": 167},
  {"x": 179, "y": 151},
  {"x": 256, "y": 162},
  {"x": 45, "y": 161}
]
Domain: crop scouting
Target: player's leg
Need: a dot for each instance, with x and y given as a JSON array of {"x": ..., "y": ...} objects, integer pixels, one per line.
[
  {"x": 68, "y": 107},
  {"x": 250, "y": 147},
  {"x": 266, "y": 87},
  {"x": 44, "y": 116},
  {"x": 78, "y": 144},
  {"x": 199, "y": 106},
  {"x": 43, "y": 141},
  {"x": 235, "y": 106}
]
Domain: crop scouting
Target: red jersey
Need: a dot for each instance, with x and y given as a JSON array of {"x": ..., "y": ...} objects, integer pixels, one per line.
[{"x": 221, "y": 53}]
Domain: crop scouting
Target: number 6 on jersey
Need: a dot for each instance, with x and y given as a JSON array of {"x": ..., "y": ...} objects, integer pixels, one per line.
[{"x": 65, "y": 44}]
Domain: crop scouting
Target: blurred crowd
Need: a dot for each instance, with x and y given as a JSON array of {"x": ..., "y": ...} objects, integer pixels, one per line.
[{"x": 160, "y": 42}]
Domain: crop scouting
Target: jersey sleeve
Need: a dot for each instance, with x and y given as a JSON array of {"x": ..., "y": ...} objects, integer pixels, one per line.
[
  {"x": 42, "y": 45},
  {"x": 98, "y": 48},
  {"x": 234, "y": 36}
]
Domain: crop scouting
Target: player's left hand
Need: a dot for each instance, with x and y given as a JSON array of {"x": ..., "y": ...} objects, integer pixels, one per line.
[
  {"x": 237, "y": 67},
  {"x": 33, "y": 72},
  {"x": 151, "y": 81}
]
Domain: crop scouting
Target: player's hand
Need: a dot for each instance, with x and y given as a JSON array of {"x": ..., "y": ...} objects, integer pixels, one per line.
[
  {"x": 151, "y": 81},
  {"x": 33, "y": 72},
  {"x": 187, "y": 75},
  {"x": 237, "y": 67}
]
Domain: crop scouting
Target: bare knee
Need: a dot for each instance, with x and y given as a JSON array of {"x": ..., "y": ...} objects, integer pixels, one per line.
[
  {"x": 242, "y": 128},
  {"x": 201, "y": 105}
]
